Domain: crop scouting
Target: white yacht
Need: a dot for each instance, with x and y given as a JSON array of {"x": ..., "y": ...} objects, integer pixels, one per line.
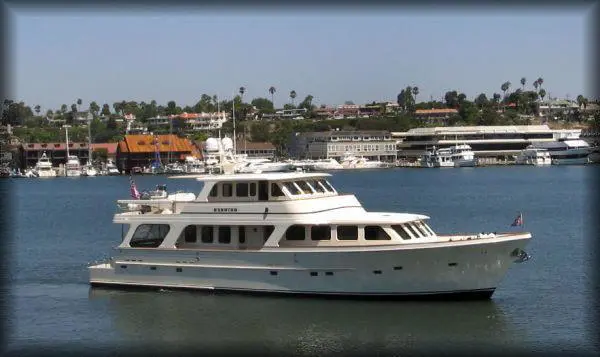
[
  {"x": 532, "y": 156},
  {"x": 352, "y": 161},
  {"x": 194, "y": 165},
  {"x": 566, "y": 151},
  {"x": 454, "y": 156},
  {"x": 89, "y": 170},
  {"x": 43, "y": 167},
  {"x": 326, "y": 165},
  {"x": 265, "y": 165},
  {"x": 72, "y": 167},
  {"x": 295, "y": 233},
  {"x": 111, "y": 168}
]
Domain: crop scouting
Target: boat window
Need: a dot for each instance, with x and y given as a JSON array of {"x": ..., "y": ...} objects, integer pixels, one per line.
[
  {"x": 304, "y": 187},
  {"x": 252, "y": 189},
  {"x": 315, "y": 185},
  {"x": 207, "y": 234},
  {"x": 347, "y": 232},
  {"x": 428, "y": 228},
  {"x": 149, "y": 235},
  {"x": 242, "y": 234},
  {"x": 214, "y": 192},
  {"x": 190, "y": 234},
  {"x": 224, "y": 234},
  {"x": 401, "y": 232},
  {"x": 295, "y": 232},
  {"x": 241, "y": 189},
  {"x": 320, "y": 232},
  {"x": 276, "y": 190},
  {"x": 327, "y": 185},
  {"x": 267, "y": 232},
  {"x": 227, "y": 190},
  {"x": 422, "y": 229},
  {"x": 292, "y": 188},
  {"x": 376, "y": 233},
  {"x": 412, "y": 230}
]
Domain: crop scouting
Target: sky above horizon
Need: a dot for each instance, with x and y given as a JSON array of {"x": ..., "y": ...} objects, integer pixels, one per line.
[{"x": 362, "y": 56}]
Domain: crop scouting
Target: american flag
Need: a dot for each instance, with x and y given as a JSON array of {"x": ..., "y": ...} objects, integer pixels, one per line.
[
  {"x": 518, "y": 221},
  {"x": 133, "y": 188}
]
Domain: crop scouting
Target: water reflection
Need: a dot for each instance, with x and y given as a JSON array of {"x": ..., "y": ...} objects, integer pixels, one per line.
[{"x": 305, "y": 325}]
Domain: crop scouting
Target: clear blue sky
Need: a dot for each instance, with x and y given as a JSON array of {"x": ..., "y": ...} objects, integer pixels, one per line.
[{"x": 356, "y": 55}]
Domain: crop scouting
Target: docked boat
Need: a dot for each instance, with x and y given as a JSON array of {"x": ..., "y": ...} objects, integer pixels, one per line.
[
  {"x": 352, "y": 161},
  {"x": 455, "y": 156},
  {"x": 73, "y": 166},
  {"x": 569, "y": 151},
  {"x": 295, "y": 233},
  {"x": 89, "y": 170},
  {"x": 194, "y": 165},
  {"x": 326, "y": 165},
  {"x": 111, "y": 169},
  {"x": 43, "y": 167},
  {"x": 532, "y": 156},
  {"x": 265, "y": 165}
]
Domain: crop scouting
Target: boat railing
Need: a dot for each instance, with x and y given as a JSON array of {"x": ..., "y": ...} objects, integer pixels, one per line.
[{"x": 154, "y": 206}]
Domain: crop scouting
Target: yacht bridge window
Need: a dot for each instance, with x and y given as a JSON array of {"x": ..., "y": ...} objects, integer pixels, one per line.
[{"x": 149, "y": 235}]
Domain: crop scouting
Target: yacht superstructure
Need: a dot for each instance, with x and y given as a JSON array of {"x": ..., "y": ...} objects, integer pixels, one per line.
[
  {"x": 295, "y": 233},
  {"x": 533, "y": 156},
  {"x": 569, "y": 151},
  {"x": 43, "y": 167}
]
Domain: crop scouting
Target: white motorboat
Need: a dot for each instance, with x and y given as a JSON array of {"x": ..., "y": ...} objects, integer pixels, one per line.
[
  {"x": 265, "y": 165},
  {"x": 89, "y": 171},
  {"x": 111, "y": 169},
  {"x": 326, "y": 165},
  {"x": 352, "y": 161},
  {"x": 568, "y": 151},
  {"x": 454, "y": 156},
  {"x": 43, "y": 167},
  {"x": 194, "y": 165},
  {"x": 294, "y": 233},
  {"x": 72, "y": 167},
  {"x": 532, "y": 156}
]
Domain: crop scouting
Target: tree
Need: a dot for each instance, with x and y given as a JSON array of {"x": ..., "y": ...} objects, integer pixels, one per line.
[
  {"x": 481, "y": 100},
  {"x": 94, "y": 108},
  {"x": 105, "y": 109},
  {"x": 38, "y": 109},
  {"x": 73, "y": 108},
  {"x": 540, "y": 82},
  {"x": 580, "y": 100},
  {"x": 49, "y": 113},
  {"x": 307, "y": 104},
  {"x": 293, "y": 96},
  {"x": 451, "y": 98},
  {"x": 415, "y": 92},
  {"x": 111, "y": 124},
  {"x": 63, "y": 108},
  {"x": 242, "y": 91},
  {"x": 523, "y": 81},
  {"x": 79, "y": 101},
  {"x": 536, "y": 84},
  {"x": 542, "y": 93},
  {"x": 263, "y": 105},
  {"x": 272, "y": 90},
  {"x": 505, "y": 86}
]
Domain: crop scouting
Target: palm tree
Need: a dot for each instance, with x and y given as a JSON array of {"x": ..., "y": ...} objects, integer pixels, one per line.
[
  {"x": 542, "y": 93},
  {"x": 536, "y": 84},
  {"x": 272, "y": 90},
  {"x": 79, "y": 101},
  {"x": 293, "y": 96},
  {"x": 580, "y": 100},
  {"x": 523, "y": 81},
  {"x": 505, "y": 86},
  {"x": 38, "y": 109},
  {"x": 497, "y": 99},
  {"x": 415, "y": 91},
  {"x": 242, "y": 91},
  {"x": 540, "y": 82}
]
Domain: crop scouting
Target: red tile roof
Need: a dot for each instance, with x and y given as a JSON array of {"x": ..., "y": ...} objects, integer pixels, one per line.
[
  {"x": 147, "y": 144},
  {"x": 111, "y": 148},
  {"x": 53, "y": 146}
]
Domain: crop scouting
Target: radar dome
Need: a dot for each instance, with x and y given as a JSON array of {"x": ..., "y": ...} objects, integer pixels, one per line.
[
  {"x": 212, "y": 144},
  {"x": 227, "y": 144}
]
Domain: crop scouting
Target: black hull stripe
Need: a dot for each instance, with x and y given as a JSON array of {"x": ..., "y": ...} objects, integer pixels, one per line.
[{"x": 475, "y": 294}]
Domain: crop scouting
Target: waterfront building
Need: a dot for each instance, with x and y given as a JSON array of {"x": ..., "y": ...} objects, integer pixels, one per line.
[
  {"x": 371, "y": 144},
  {"x": 258, "y": 150},
  {"x": 56, "y": 153},
  {"x": 141, "y": 150},
  {"x": 108, "y": 151},
  {"x": 496, "y": 142}
]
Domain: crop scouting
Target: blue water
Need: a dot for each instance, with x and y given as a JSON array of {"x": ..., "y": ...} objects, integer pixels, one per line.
[{"x": 64, "y": 224}]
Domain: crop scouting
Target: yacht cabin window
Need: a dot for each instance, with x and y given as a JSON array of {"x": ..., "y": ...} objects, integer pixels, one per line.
[
  {"x": 295, "y": 232},
  {"x": 149, "y": 235},
  {"x": 412, "y": 230},
  {"x": 227, "y": 189},
  {"x": 422, "y": 229},
  {"x": 214, "y": 191},
  {"x": 320, "y": 232},
  {"x": 293, "y": 189},
  {"x": 401, "y": 232},
  {"x": 276, "y": 190},
  {"x": 315, "y": 185},
  {"x": 347, "y": 232},
  {"x": 376, "y": 233},
  {"x": 252, "y": 189},
  {"x": 241, "y": 189},
  {"x": 190, "y": 234},
  {"x": 207, "y": 234},
  {"x": 327, "y": 186},
  {"x": 304, "y": 187},
  {"x": 224, "y": 234}
]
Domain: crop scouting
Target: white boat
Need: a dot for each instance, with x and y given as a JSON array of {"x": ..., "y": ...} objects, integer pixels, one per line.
[
  {"x": 352, "y": 161},
  {"x": 532, "y": 156},
  {"x": 566, "y": 151},
  {"x": 294, "y": 233},
  {"x": 174, "y": 168},
  {"x": 72, "y": 167},
  {"x": 326, "y": 165},
  {"x": 455, "y": 156},
  {"x": 194, "y": 165},
  {"x": 43, "y": 167},
  {"x": 265, "y": 165},
  {"x": 111, "y": 168},
  {"x": 89, "y": 171}
]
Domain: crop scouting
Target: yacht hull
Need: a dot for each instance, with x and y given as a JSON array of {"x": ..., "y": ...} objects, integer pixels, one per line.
[{"x": 471, "y": 268}]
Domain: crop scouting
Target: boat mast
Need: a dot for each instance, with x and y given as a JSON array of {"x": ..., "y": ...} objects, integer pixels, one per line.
[
  {"x": 233, "y": 118},
  {"x": 67, "y": 139},
  {"x": 90, "y": 142}
]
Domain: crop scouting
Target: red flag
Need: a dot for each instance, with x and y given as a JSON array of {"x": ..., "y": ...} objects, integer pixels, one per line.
[{"x": 133, "y": 188}]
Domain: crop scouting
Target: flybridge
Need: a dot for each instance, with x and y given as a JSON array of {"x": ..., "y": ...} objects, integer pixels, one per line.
[{"x": 255, "y": 176}]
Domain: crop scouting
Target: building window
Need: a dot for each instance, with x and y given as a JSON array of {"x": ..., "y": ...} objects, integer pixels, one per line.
[
  {"x": 347, "y": 232},
  {"x": 149, "y": 235}
]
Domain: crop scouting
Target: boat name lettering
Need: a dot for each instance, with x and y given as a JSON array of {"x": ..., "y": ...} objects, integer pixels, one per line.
[{"x": 225, "y": 209}]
